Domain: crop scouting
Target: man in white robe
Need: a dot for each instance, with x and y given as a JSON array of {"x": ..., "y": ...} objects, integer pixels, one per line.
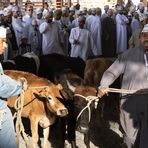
[
  {"x": 39, "y": 15},
  {"x": 51, "y": 36},
  {"x": 27, "y": 19},
  {"x": 17, "y": 24},
  {"x": 81, "y": 41},
  {"x": 121, "y": 25},
  {"x": 94, "y": 26}
]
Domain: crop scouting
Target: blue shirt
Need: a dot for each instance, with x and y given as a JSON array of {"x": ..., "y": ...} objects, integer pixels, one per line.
[{"x": 8, "y": 87}]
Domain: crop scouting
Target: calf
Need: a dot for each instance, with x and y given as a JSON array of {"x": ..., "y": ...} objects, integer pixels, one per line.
[
  {"x": 76, "y": 103},
  {"x": 41, "y": 104}
]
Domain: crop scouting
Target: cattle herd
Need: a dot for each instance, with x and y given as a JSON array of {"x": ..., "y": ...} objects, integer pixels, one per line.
[{"x": 62, "y": 91}]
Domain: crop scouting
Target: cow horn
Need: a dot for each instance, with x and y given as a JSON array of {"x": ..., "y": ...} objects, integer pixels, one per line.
[{"x": 71, "y": 87}]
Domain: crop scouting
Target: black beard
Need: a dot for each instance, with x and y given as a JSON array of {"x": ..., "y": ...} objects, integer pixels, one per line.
[{"x": 49, "y": 21}]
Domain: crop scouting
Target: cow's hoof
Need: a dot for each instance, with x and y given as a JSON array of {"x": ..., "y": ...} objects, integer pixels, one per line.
[{"x": 73, "y": 144}]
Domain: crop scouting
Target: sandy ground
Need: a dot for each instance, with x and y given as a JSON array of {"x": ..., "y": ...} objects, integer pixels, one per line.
[{"x": 103, "y": 134}]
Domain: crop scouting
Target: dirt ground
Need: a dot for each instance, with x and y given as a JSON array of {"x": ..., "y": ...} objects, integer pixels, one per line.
[{"x": 103, "y": 134}]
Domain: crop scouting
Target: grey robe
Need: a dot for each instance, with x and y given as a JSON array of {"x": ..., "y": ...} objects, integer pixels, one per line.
[{"x": 134, "y": 108}]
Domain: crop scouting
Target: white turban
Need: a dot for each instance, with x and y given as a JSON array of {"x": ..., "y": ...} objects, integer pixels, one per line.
[
  {"x": 15, "y": 9},
  {"x": 2, "y": 32},
  {"x": 38, "y": 11},
  {"x": 145, "y": 29},
  {"x": 7, "y": 12},
  {"x": 72, "y": 8},
  {"x": 10, "y": 7},
  {"x": 141, "y": 5},
  {"x": 48, "y": 13}
]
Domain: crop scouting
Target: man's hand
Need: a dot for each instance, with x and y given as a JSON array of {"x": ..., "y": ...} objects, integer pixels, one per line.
[
  {"x": 24, "y": 83},
  {"x": 102, "y": 91},
  {"x": 76, "y": 42}
]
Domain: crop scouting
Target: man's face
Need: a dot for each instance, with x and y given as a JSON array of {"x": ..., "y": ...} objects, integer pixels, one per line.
[
  {"x": 8, "y": 19},
  {"x": 30, "y": 11},
  {"x": 3, "y": 45},
  {"x": 110, "y": 13},
  {"x": 49, "y": 18},
  {"x": 16, "y": 14},
  {"x": 81, "y": 23},
  {"x": 144, "y": 40},
  {"x": 39, "y": 16}
]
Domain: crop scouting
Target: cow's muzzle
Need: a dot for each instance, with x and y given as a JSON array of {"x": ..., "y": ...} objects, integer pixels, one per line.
[{"x": 62, "y": 112}]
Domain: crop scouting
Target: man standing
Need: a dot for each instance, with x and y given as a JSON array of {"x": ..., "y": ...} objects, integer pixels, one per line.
[
  {"x": 121, "y": 29},
  {"x": 133, "y": 65},
  {"x": 81, "y": 41},
  {"x": 51, "y": 35},
  {"x": 8, "y": 88},
  {"x": 135, "y": 38},
  {"x": 108, "y": 36},
  {"x": 93, "y": 24},
  {"x": 17, "y": 24}
]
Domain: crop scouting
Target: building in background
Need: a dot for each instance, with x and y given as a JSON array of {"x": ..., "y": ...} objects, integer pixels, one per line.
[{"x": 59, "y": 3}]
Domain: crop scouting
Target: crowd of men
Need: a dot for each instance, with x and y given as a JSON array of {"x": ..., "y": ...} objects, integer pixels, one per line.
[{"x": 74, "y": 32}]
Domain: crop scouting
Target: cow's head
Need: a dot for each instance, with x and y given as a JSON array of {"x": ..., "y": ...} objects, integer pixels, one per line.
[
  {"x": 51, "y": 96},
  {"x": 81, "y": 100}
]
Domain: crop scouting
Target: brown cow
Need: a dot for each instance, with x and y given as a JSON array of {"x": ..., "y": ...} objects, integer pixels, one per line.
[
  {"x": 94, "y": 70},
  {"x": 40, "y": 103}
]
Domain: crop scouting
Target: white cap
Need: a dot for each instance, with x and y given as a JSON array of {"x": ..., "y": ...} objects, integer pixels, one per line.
[
  {"x": 10, "y": 7},
  {"x": 48, "y": 13},
  {"x": 64, "y": 9},
  {"x": 142, "y": 17},
  {"x": 38, "y": 10},
  {"x": 7, "y": 12},
  {"x": 145, "y": 29},
  {"x": 72, "y": 8},
  {"x": 2, "y": 32},
  {"x": 15, "y": 8},
  {"x": 141, "y": 5}
]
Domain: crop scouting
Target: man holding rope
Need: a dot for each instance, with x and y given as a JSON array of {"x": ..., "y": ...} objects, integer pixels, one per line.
[
  {"x": 133, "y": 65},
  {"x": 8, "y": 88}
]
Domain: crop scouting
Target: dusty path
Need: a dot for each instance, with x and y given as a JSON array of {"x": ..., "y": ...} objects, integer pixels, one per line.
[{"x": 104, "y": 135}]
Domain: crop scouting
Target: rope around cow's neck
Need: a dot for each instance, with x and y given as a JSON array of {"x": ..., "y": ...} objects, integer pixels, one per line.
[
  {"x": 90, "y": 99},
  {"x": 19, "y": 103}
]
